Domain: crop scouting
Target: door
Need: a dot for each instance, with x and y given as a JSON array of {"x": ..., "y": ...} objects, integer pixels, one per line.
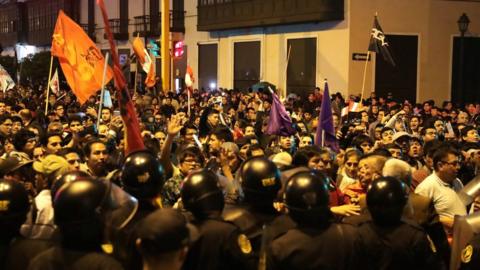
[
  {"x": 207, "y": 65},
  {"x": 302, "y": 66},
  {"x": 466, "y": 70},
  {"x": 400, "y": 80}
]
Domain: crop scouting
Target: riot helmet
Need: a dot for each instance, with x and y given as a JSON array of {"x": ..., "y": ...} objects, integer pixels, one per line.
[
  {"x": 307, "y": 198},
  {"x": 201, "y": 194},
  {"x": 261, "y": 181},
  {"x": 67, "y": 178},
  {"x": 14, "y": 206},
  {"x": 386, "y": 199},
  {"x": 142, "y": 175},
  {"x": 88, "y": 211}
]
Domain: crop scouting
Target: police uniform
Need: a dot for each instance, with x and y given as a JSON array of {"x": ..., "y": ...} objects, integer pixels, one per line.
[
  {"x": 314, "y": 248},
  {"x": 251, "y": 224},
  {"x": 419, "y": 209},
  {"x": 220, "y": 246},
  {"x": 405, "y": 246},
  {"x": 470, "y": 256},
  {"x": 62, "y": 259}
]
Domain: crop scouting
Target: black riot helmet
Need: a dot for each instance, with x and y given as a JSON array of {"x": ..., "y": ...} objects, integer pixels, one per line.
[
  {"x": 14, "y": 206},
  {"x": 202, "y": 195},
  {"x": 142, "y": 175},
  {"x": 67, "y": 178},
  {"x": 88, "y": 210},
  {"x": 386, "y": 199},
  {"x": 260, "y": 180},
  {"x": 307, "y": 198}
]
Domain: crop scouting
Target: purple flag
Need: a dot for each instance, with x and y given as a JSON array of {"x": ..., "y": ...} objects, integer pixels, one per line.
[
  {"x": 325, "y": 129},
  {"x": 279, "y": 122}
]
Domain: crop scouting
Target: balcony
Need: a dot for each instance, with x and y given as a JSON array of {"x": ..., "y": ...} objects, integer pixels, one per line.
[
  {"x": 148, "y": 26},
  {"x": 12, "y": 24},
  {"x": 119, "y": 29},
  {"x": 90, "y": 32},
  {"x": 231, "y": 14}
]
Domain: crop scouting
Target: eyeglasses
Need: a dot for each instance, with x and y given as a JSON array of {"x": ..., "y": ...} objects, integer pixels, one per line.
[
  {"x": 352, "y": 164},
  {"x": 453, "y": 163},
  {"x": 73, "y": 161}
]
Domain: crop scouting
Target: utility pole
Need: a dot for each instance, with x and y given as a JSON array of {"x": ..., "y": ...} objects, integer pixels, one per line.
[{"x": 165, "y": 43}]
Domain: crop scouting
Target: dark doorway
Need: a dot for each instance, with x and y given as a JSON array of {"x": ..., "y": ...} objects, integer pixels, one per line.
[
  {"x": 400, "y": 80},
  {"x": 207, "y": 65},
  {"x": 466, "y": 79},
  {"x": 246, "y": 64},
  {"x": 302, "y": 66}
]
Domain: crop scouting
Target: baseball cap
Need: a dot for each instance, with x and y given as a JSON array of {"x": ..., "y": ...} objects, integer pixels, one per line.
[
  {"x": 51, "y": 164},
  {"x": 11, "y": 164},
  {"x": 165, "y": 230},
  {"x": 282, "y": 159},
  {"x": 401, "y": 134}
]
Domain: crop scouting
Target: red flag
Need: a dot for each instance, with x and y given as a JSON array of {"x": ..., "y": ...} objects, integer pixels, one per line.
[
  {"x": 81, "y": 61},
  {"x": 133, "y": 140},
  {"x": 145, "y": 60}
]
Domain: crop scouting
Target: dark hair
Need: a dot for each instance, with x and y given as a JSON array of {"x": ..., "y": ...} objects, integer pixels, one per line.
[
  {"x": 253, "y": 147},
  {"x": 441, "y": 153},
  {"x": 16, "y": 118},
  {"x": 65, "y": 151},
  {"x": 4, "y": 118},
  {"x": 223, "y": 134},
  {"x": 74, "y": 118},
  {"x": 191, "y": 151},
  {"x": 87, "y": 148},
  {"x": 48, "y": 136},
  {"x": 303, "y": 155},
  {"x": 20, "y": 139},
  {"x": 360, "y": 139}
]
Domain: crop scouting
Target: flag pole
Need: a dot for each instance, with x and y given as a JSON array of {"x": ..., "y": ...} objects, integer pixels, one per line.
[
  {"x": 48, "y": 84},
  {"x": 188, "y": 101},
  {"x": 136, "y": 70},
  {"x": 99, "y": 114},
  {"x": 323, "y": 137},
  {"x": 364, "y": 76},
  {"x": 286, "y": 66}
]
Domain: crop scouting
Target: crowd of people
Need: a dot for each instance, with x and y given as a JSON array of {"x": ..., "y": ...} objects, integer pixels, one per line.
[{"x": 213, "y": 190}]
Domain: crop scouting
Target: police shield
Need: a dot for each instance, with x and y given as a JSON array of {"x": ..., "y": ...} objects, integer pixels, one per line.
[
  {"x": 119, "y": 207},
  {"x": 470, "y": 191},
  {"x": 464, "y": 228}
]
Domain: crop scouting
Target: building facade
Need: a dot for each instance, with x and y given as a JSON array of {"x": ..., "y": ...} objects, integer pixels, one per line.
[
  {"x": 298, "y": 53},
  {"x": 293, "y": 44}
]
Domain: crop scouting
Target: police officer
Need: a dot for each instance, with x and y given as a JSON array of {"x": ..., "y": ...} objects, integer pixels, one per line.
[
  {"x": 316, "y": 242},
  {"x": 387, "y": 241},
  {"x": 142, "y": 177},
  {"x": 470, "y": 255},
  {"x": 80, "y": 214},
  {"x": 14, "y": 206},
  {"x": 261, "y": 183},
  {"x": 220, "y": 245}
]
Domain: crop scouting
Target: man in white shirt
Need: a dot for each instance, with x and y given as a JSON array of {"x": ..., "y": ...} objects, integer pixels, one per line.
[{"x": 442, "y": 186}]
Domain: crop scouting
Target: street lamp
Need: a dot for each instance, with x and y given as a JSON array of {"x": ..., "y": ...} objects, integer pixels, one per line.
[{"x": 463, "y": 23}]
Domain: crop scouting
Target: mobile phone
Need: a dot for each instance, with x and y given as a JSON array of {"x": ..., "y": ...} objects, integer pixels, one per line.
[{"x": 116, "y": 113}]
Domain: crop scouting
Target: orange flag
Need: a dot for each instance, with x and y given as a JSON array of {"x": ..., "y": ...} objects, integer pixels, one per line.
[
  {"x": 145, "y": 60},
  {"x": 81, "y": 61}
]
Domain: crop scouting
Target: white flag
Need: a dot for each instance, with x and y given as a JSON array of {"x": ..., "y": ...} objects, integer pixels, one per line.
[
  {"x": 55, "y": 84},
  {"x": 6, "y": 82},
  {"x": 107, "y": 99}
]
